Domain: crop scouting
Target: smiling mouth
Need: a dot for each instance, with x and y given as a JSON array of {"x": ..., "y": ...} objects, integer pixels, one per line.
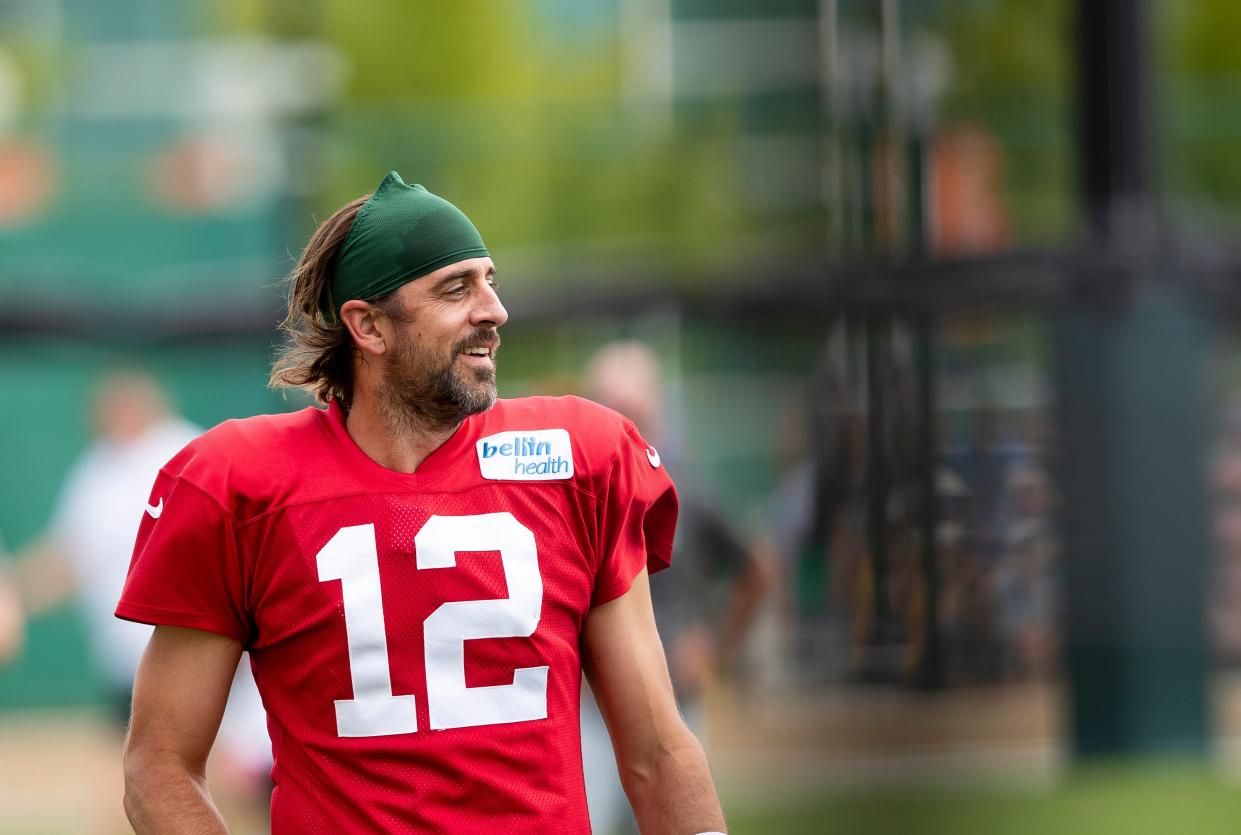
[{"x": 481, "y": 345}]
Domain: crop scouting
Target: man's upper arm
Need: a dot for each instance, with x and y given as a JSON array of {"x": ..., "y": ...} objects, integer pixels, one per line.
[
  {"x": 624, "y": 660},
  {"x": 180, "y": 693}
]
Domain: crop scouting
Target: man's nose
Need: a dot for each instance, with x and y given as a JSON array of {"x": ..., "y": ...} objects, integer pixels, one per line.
[{"x": 490, "y": 310}]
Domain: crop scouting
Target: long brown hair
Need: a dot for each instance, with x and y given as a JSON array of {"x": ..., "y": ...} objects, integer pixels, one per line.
[{"x": 318, "y": 353}]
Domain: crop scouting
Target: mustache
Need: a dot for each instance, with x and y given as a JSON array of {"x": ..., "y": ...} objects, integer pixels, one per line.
[{"x": 488, "y": 338}]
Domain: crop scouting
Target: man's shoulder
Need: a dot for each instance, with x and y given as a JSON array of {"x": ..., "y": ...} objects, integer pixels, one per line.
[
  {"x": 243, "y": 455},
  {"x": 240, "y": 438}
]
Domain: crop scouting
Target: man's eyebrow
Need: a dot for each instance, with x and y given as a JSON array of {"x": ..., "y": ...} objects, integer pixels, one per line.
[
  {"x": 457, "y": 276},
  {"x": 460, "y": 274}
]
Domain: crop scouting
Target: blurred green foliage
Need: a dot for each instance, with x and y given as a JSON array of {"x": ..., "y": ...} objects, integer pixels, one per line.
[
  {"x": 528, "y": 122},
  {"x": 1200, "y": 102}
]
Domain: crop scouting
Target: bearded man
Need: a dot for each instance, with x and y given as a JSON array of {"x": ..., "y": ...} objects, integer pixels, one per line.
[{"x": 420, "y": 572}]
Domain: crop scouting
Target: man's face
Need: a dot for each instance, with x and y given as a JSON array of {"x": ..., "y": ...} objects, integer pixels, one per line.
[{"x": 441, "y": 367}]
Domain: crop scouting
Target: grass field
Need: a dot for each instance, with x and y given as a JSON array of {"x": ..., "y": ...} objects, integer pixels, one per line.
[{"x": 1150, "y": 799}]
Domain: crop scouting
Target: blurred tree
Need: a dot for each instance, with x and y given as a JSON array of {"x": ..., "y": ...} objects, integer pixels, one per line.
[
  {"x": 1006, "y": 51},
  {"x": 1201, "y": 95}
]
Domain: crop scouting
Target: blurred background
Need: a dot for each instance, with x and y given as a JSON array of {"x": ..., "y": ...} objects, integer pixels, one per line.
[{"x": 930, "y": 304}]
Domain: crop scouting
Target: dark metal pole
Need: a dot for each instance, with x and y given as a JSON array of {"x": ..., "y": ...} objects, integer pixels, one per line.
[
  {"x": 930, "y": 668},
  {"x": 1130, "y": 403},
  {"x": 1114, "y": 114},
  {"x": 930, "y": 672},
  {"x": 877, "y": 333}
]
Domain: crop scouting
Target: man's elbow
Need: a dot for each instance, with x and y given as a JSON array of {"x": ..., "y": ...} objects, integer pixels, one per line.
[
  {"x": 670, "y": 753},
  {"x": 150, "y": 773},
  {"x": 139, "y": 768},
  {"x": 131, "y": 801}
]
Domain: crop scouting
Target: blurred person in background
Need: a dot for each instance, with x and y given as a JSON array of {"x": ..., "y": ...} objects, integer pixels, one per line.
[
  {"x": 815, "y": 517},
  {"x": 985, "y": 461},
  {"x": 704, "y": 603},
  {"x": 358, "y": 551},
  {"x": 85, "y": 552},
  {"x": 964, "y": 599},
  {"x": 1025, "y": 578},
  {"x": 12, "y": 622},
  {"x": 1004, "y": 543},
  {"x": 86, "y": 547}
]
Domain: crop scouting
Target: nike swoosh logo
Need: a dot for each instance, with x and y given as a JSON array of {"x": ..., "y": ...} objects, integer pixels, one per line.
[
  {"x": 652, "y": 456},
  {"x": 155, "y": 510}
]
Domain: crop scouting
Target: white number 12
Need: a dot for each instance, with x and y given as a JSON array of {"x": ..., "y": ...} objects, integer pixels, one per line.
[{"x": 351, "y": 556}]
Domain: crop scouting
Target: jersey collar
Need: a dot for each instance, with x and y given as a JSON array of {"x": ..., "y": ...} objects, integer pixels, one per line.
[{"x": 442, "y": 461}]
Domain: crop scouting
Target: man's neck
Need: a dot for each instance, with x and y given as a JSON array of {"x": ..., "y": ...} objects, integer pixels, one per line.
[{"x": 397, "y": 442}]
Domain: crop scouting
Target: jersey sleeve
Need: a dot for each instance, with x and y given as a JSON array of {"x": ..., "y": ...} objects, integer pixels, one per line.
[
  {"x": 637, "y": 518},
  {"x": 186, "y": 569}
]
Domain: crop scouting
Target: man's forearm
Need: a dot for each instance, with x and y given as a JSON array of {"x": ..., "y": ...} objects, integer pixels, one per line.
[
  {"x": 43, "y": 576},
  {"x": 672, "y": 792},
  {"x": 167, "y": 799}
]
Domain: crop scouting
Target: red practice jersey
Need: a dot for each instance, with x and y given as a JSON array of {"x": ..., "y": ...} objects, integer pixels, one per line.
[{"x": 415, "y": 637}]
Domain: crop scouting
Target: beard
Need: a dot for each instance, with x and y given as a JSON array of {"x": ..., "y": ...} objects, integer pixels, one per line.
[{"x": 423, "y": 390}]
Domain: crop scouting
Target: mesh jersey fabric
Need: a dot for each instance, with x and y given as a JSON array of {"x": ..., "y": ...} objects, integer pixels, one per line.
[{"x": 269, "y": 529}]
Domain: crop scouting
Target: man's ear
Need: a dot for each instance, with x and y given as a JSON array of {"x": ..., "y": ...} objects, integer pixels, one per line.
[{"x": 363, "y": 323}]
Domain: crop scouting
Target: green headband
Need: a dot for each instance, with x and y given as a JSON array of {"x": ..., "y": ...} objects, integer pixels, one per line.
[{"x": 401, "y": 233}]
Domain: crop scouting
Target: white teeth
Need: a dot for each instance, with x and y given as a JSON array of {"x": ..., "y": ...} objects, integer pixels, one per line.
[{"x": 478, "y": 352}]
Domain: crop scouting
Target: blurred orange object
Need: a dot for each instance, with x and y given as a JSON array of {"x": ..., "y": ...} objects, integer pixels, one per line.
[
  {"x": 27, "y": 180},
  {"x": 968, "y": 213}
]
